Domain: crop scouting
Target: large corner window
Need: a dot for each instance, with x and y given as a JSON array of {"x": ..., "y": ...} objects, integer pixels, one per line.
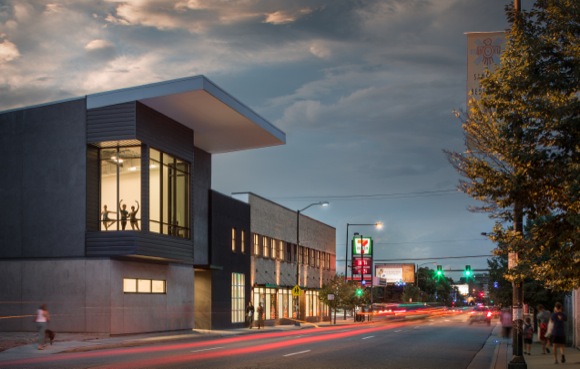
[
  {"x": 120, "y": 188},
  {"x": 169, "y": 179}
]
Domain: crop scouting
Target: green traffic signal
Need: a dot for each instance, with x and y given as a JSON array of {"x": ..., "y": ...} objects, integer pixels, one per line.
[
  {"x": 359, "y": 292},
  {"x": 439, "y": 272},
  {"x": 467, "y": 271}
]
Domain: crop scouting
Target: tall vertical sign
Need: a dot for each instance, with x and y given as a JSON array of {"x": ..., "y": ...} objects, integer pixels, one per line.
[
  {"x": 484, "y": 51},
  {"x": 362, "y": 257}
]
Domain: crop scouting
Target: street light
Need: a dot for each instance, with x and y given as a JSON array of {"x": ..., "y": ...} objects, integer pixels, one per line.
[
  {"x": 320, "y": 203},
  {"x": 377, "y": 225}
]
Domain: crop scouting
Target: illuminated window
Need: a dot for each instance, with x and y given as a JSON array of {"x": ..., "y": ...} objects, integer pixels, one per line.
[
  {"x": 139, "y": 285},
  {"x": 243, "y": 241},
  {"x": 120, "y": 188},
  {"x": 238, "y": 297},
  {"x": 256, "y": 244},
  {"x": 280, "y": 249},
  {"x": 265, "y": 247},
  {"x": 273, "y": 250},
  {"x": 233, "y": 240},
  {"x": 169, "y": 179}
]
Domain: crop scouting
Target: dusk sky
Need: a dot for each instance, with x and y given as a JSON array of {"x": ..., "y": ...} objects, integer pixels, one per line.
[{"x": 364, "y": 90}]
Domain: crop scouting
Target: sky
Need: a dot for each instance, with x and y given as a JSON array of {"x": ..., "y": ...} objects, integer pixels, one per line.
[{"x": 364, "y": 90}]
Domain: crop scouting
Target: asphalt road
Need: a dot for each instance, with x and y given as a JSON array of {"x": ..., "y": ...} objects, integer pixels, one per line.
[{"x": 434, "y": 343}]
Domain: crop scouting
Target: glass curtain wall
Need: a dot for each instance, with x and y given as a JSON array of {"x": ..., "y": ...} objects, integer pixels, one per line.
[{"x": 169, "y": 195}]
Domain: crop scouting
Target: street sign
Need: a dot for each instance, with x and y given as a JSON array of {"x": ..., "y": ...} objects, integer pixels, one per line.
[{"x": 296, "y": 291}]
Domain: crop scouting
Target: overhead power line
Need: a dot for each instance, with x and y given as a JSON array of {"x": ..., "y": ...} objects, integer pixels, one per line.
[
  {"x": 387, "y": 196},
  {"x": 433, "y": 258}
]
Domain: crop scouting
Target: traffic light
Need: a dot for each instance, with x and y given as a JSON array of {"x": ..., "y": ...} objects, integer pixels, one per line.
[
  {"x": 467, "y": 271},
  {"x": 439, "y": 272},
  {"x": 359, "y": 292}
]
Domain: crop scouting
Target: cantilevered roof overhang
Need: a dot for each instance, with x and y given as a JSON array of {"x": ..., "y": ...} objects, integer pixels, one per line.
[{"x": 220, "y": 122}]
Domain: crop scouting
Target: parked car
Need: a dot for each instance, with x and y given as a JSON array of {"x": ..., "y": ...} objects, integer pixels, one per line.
[{"x": 480, "y": 314}]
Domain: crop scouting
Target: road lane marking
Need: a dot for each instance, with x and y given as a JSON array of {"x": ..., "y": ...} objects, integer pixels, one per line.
[
  {"x": 297, "y": 353},
  {"x": 366, "y": 338},
  {"x": 398, "y": 330},
  {"x": 208, "y": 349}
]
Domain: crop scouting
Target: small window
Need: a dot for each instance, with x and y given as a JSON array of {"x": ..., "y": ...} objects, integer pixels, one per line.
[
  {"x": 265, "y": 246},
  {"x": 256, "y": 245},
  {"x": 273, "y": 250},
  {"x": 137, "y": 285},
  {"x": 233, "y": 240},
  {"x": 280, "y": 249},
  {"x": 243, "y": 241}
]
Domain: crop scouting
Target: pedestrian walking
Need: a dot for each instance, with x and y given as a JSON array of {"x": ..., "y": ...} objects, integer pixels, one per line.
[
  {"x": 250, "y": 314},
  {"x": 528, "y": 331},
  {"x": 260, "y": 316},
  {"x": 42, "y": 318},
  {"x": 558, "y": 334},
  {"x": 543, "y": 317},
  {"x": 506, "y": 322}
]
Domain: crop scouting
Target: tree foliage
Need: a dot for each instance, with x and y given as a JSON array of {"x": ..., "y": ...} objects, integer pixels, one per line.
[
  {"x": 522, "y": 143},
  {"x": 500, "y": 290},
  {"x": 343, "y": 292}
]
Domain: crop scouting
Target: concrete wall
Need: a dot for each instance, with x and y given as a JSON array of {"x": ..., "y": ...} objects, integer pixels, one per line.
[{"x": 86, "y": 295}]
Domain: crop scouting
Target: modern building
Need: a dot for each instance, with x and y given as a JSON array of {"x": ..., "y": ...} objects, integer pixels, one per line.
[
  {"x": 280, "y": 261},
  {"x": 107, "y": 209}
]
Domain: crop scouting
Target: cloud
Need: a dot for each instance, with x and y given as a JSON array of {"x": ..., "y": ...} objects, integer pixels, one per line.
[
  {"x": 102, "y": 49},
  {"x": 8, "y": 52}
]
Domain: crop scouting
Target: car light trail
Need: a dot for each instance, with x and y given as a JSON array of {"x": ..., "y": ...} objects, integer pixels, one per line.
[
  {"x": 298, "y": 353},
  {"x": 205, "y": 352},
  {"x": 208, "y": 349}
]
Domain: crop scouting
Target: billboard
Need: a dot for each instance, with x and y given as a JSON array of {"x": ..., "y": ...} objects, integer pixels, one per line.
[{"x": 396, "y": 273}]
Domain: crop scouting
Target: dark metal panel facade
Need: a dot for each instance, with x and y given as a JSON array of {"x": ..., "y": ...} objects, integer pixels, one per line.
[
  {"x": 201, "y": 181},
  {"x": 112, "y": 123},
  {"x": 42, "y": 186},
  {"x": 93, "y": 189},
  {"x": 138, "y": 244},
  {"x": 227, "y": 213},
  {"x": 163, "y": 133}
]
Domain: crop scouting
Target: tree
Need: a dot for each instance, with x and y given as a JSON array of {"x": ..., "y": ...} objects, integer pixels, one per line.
[
  {"x": 522, "y": 158},
  {"x": 343, "y": 292},
  {"x": 411, "y": 293},
  {"x": 432, "y": 287},
  {"x": 500, "y": 289}
]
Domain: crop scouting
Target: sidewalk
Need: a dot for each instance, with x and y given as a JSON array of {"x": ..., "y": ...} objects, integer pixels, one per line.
[{"x": 503, "y": 354}]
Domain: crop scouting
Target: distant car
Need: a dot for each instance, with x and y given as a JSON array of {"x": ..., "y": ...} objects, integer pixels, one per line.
[{"x": 480, "y": 314}]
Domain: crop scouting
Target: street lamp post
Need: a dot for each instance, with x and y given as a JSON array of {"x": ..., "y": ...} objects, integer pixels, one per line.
[{"x": 320, "y": 203}]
